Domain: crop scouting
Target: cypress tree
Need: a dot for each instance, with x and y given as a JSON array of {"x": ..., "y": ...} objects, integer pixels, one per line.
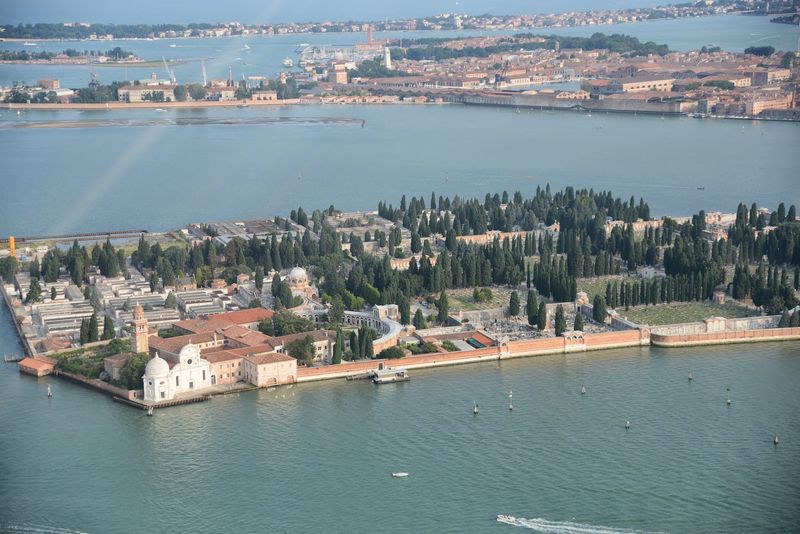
[
  {"x": 599, "y": 311},
  {"x": 354, "y": 348},
  {"x": 531, "y": 308},
  {"x": 578, "y": 322},
  {"x": 419, "y": 320},
  {"x": 338, "y": 348},
  {"x": 541, "y": 316},
  {"x": 444, "y": 307},
  {"x": 405, "y": 310},
  {"x": 108, "y": 328},
  {"x": 513, "y": 304},
  {"x": 94, "y": 334},
  {"x": 560, "y": 322},
  {"x": 84, "y": 335}
]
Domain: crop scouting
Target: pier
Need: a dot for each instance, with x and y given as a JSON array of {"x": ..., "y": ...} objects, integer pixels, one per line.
[{"x": 165, "y": 404}]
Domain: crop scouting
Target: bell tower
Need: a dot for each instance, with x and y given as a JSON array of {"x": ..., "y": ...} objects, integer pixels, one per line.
[{"x": 139, "y": 343}]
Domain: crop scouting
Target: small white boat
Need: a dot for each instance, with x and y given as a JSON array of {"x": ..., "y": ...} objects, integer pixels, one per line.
[
  {"x": 28, "y": 43},
  {"x": 246, "y": 47},
  {"x": 287, "y": 62},
  {"x": 400, "y": 474},
  {"x": 508, "y": 519}
]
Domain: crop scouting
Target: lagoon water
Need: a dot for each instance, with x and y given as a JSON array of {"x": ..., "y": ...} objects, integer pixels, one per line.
[
  {"x": 265, "y": 53},
  {"x": 110, "y": 175},
  {"x": 318, "y": 457}
]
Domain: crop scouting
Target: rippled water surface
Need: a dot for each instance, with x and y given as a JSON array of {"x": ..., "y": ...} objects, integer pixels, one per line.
[{"x": 318, "y": 457}]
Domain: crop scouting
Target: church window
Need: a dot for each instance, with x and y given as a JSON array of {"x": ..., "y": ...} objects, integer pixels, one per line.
[
  {"x": 204, "y": 375},
  {"x": 177, "y": 381}
]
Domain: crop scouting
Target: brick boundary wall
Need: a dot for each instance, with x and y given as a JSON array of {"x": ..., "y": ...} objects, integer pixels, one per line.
[
  {"x": 513, "y": 349},
  {"x": 719, "y": 338}
]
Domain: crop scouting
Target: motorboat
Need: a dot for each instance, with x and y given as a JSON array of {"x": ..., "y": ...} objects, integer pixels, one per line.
[
  {"x": 400, "y": 474},
  {"x": 288, "y": 63},
  {"x": 508, "y": 519}
]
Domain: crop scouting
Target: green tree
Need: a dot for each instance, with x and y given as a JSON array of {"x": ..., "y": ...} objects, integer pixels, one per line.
[
  {"x": 130, "y": 375},
  {"x": 541, "y": 316},
  {"x": 560, "y": 322},
  {"x": 94, "y": 333},
  {"x": 302, "y": 349},
  {"x": 513, "y": 304},
  {"x": 196, "y": 91},
  {"x": 259, "y": 278},
  {"x": 338, "y": 348},
  {"x": 34, "y": 291},
  {"x": 391, "y": 353},
  {"x": 599, "y": 311},
  {"x": 531, "y": 308},
  {"x": 84, "y": 333},
  {"x": 419, "y": 320},
  {"x": 443, "y": 307},
  {"x": 180, "y": 92},
  {"x": 108, "y": 328},
  {"x": 578, "y": 322},
  {"x": 336, "y": 311},
  {"x": 405, "y": 311},
  {"x": 171, "y": 301},
  {"x": 53, "y": 293},
  {"x": 76, "y": 272}
]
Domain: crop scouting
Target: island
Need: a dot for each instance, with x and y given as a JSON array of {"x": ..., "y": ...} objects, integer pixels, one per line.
[{"x": 157, "y": 319}]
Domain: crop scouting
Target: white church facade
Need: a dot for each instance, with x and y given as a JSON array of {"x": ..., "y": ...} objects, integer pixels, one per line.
[{"x": 163, "y": 380}]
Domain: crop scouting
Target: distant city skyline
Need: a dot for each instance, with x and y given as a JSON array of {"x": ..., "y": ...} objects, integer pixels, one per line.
[{"x": 256, "y": 12}]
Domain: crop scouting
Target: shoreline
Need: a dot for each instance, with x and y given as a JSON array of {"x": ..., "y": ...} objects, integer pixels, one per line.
[
  {"x": 471, "y": 31},
  {"x": 116, "y": 105}
]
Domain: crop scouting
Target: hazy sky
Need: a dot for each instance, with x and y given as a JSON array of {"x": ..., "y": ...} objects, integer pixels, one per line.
[{"x": 270, "y": 11}]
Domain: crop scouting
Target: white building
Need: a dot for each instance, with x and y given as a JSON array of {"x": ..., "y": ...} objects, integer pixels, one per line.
[{"x": 163, "y": 380}]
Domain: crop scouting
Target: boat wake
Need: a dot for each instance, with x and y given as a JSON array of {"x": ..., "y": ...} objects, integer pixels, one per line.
[
  {"x": 37, "y": 529},
  {"x": 546, "y": 526}
]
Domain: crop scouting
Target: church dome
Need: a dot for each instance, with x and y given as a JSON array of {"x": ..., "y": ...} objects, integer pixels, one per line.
[
  {"x": 297, "y": 277},
  {"x": 156, "y": 367}
]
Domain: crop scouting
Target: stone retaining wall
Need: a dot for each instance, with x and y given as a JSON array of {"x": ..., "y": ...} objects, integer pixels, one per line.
[{"x": 716, "y": 338}]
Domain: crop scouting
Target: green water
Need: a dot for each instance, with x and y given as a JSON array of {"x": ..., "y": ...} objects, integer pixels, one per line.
[{"x": 318, "y": 457}]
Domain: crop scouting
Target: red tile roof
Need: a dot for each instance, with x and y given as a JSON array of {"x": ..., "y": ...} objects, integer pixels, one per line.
[
  {"x": 33, "y": 363},
  {"x": 250, "y": 315},
  {"x": 270, "y": 357}
]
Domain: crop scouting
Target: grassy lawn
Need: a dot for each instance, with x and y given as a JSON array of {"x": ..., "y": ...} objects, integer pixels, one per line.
[
  {"x": 688, "y": 312},
  {"x": 461, "y": 299},
  {"x": 596, "y": 285}
]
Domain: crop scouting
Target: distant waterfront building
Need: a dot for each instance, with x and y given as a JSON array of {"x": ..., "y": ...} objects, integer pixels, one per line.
[
  {"x": 140, "y": 342},
  {"x": 144, "y": 93},
  {"x": 49, "y": 84},
  {"x": 338, "y": 73},
  {"x": 387, "y": 58},
  {"x": 163, "y": 379}
]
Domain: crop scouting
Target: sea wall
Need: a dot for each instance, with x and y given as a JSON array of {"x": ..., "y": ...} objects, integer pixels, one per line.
[
  {"x": 729, "y": 336},
  {"x": 513, "y": 349}
]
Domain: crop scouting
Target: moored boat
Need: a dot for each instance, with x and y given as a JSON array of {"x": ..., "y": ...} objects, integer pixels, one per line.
[{"x": 386, "y": 376}]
